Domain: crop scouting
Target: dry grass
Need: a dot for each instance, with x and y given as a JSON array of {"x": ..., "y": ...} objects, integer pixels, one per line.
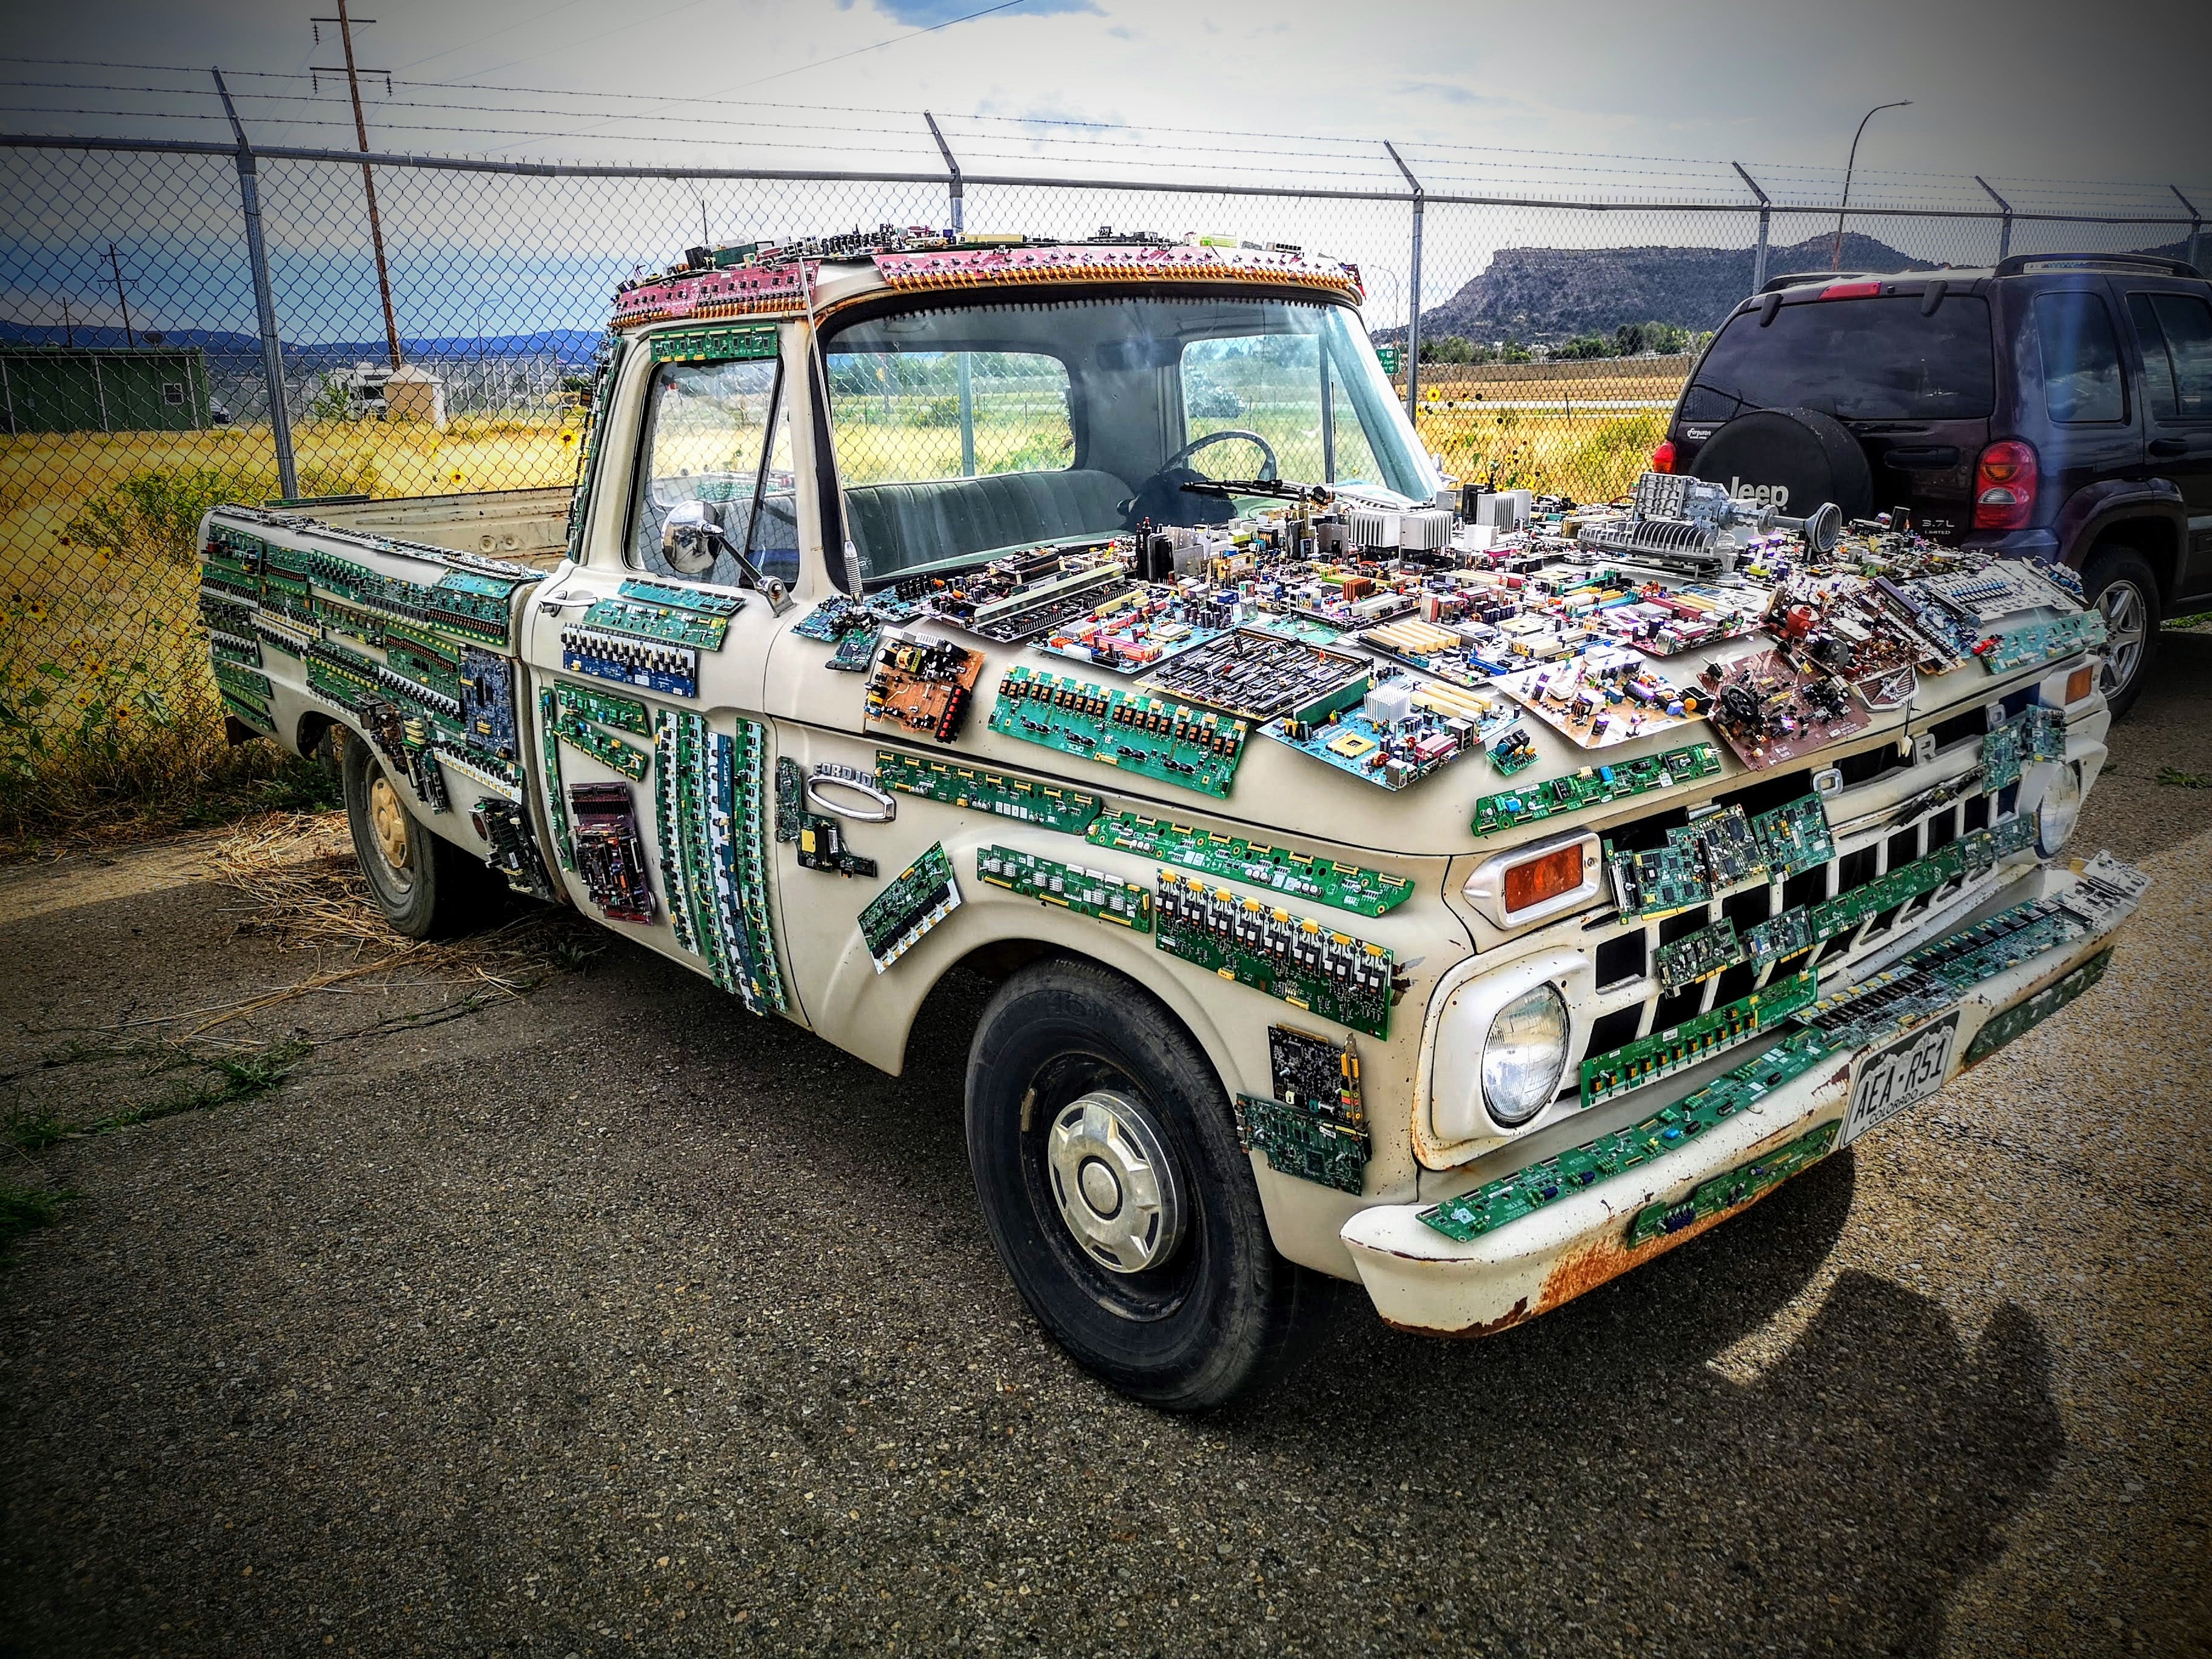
[{"x": 295, "y": 881}]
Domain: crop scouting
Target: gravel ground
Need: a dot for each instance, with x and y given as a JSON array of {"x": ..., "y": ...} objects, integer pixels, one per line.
[{"x": 604, "y": 1319}]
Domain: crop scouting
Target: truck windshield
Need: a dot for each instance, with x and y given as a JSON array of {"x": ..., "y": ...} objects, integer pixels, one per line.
[
  {"x": 963, "y": 430},
  {"x": 1874, "y": 359}
]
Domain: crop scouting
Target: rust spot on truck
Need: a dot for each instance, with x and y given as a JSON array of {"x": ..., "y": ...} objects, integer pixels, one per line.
[
  {"x": 1608, "y": 1257},
  {"x": 1516, "y": 1315}
]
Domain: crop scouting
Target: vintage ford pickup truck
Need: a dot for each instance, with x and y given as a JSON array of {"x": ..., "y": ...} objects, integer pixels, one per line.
[{"x": 1465, "y": 896}]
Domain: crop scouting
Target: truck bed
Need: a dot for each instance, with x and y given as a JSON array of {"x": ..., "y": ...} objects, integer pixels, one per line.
[{"x": 524, "y": 527}]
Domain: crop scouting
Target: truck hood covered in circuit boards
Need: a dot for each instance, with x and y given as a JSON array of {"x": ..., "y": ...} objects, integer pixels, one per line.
[{"x": 1277, "y": 791}]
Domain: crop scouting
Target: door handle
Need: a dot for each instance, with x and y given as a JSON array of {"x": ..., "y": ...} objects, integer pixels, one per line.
[{"x": 2168, "y": 449}]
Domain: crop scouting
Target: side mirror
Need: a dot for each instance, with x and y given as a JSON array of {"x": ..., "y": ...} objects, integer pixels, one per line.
[{"x": 689, "y": 536}]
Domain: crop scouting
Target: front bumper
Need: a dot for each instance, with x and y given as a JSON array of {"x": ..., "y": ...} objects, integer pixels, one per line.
[{"x": 1422, "y": 1279}]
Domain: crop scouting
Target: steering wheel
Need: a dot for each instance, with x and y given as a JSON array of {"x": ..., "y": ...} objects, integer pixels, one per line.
[
  {"x": 1268, "y": 468},
  {"x": 1161, "y": 498}
]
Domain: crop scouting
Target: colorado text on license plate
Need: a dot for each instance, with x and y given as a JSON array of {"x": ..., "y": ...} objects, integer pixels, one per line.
[{"x": 1890, "y": 1079}]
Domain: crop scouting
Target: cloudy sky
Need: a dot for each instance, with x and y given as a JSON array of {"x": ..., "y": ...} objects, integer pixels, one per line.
[
  {"x": 2098, "y": 106},
  {"x": 1521, "y": 97}
]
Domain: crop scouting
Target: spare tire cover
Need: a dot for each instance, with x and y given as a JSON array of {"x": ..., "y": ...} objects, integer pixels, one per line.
[{"x": 1797, "y": 458}]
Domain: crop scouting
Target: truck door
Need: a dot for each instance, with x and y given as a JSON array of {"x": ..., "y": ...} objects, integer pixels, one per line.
[
  {"x": 649, "y": 653},
  {"x": 2172, "y": 327}
]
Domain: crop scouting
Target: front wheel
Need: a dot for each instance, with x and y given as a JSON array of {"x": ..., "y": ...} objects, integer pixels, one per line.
[
  {"x": 2120, "y": 583},
  {"x": 427, "y": 887},
  {"x": 1117, "y": 1197}
]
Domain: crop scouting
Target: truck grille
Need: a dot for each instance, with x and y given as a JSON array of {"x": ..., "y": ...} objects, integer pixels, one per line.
[{"x": 1631, "y": 1002}]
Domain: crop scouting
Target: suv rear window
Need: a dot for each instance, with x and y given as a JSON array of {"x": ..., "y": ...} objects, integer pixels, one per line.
[{"x": 1875, "y": 359}]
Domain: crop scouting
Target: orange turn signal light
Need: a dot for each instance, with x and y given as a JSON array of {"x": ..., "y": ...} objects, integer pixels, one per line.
[
  {"x": 1545, "y": 877},
  {"x": 2081, "y": 682}
]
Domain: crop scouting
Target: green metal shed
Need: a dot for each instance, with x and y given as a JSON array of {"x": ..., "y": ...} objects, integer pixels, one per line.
[{"x": 103, "y": 389}]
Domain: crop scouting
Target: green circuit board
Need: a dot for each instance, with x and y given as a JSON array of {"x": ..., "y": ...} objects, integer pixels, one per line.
[
  {"x": 583, "y": 702},
  {"x": 1092, "y": 893},
  {"x": 1319, "y": 1142},
  {"x": 1595, "y": 786},
  {"x": 1527, "y": 1190},
  {"x": 1794, "y": 837},
  {"x": 1304, "y": 962},
  {"x": 1698, "y": 956},
  {"x": 1046, "y": 805},
  {"x": 1662, "y": 1054},
  {"x": 682, "y": 599},
  {"x": 556, "y": 792},
  {"x": 1193, "y": 748},
  {"x": 917, "y": 898},
  {"x": 627, "y": 758},
  {"x": 1341, "y": 886},
  {"x": 2043, "y": 641},
  {"x": 1739, "y": 1186},
  {"x": 1807, "y": 925},
  {"x": 661, "y": 623}
]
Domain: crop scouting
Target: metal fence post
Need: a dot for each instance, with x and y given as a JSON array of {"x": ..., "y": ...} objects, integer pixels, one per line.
[
  {"x": 964, "y": 368},
  {"x": 2195, "y": 224},
  {"x": 1413, "y": 286},
  {"x": 951, "y": 166},
  {"x": 265, "y": 302},
  {"x": 1766, "y": 220},
  {"x": 2004, "y": 229}
]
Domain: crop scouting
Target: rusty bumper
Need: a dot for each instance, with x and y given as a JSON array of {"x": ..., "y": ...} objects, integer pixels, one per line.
[{"x": 1420, "y": 1280}]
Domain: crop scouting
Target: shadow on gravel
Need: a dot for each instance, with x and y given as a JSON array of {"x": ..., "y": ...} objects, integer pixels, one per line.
[
  {"x": 1837, "y": 1503},
  {"x": 2130, "y": 810}
]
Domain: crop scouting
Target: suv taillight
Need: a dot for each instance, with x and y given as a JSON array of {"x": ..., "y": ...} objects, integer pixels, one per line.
[
  {"x": 1662, "y": 458},
  {"x": 2004, "y": 486}
]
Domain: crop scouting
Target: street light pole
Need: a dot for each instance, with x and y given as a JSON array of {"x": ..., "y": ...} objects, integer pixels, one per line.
[{"x": 1836, "y": 256}]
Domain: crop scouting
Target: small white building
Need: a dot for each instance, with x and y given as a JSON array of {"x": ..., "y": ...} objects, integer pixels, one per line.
[{"x": 415, "y": 394}]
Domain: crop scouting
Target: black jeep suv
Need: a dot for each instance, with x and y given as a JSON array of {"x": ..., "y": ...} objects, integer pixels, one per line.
[{"x": 2056, "y": 407}]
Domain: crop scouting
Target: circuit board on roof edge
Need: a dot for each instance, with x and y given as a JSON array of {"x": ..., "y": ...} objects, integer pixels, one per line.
[
  {"x": 1362, "y": 891},
  {"x": 1196, "y": 749},
  {"x": 1595, "y": 786},
  {"x": 917, "y": 898},
  {"x": 1048, "y": 807},
  {"x": 1095, "y": 893},
  {"x": 1332, "y": 974}
]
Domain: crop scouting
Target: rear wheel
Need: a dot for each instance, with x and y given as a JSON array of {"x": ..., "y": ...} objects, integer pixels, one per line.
[
  {"x": 2120, "y": 583},
  {"x": 1117, "y": 1196},
  {"x": 427, "y": 887}
]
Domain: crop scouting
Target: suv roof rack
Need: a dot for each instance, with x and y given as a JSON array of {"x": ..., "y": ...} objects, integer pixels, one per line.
[
  {"x": 1775, "y": 284},
  {"x": 2021, "y": 263}
]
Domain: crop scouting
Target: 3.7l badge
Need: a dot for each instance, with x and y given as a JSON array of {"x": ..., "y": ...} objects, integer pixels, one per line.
[{"x": 1886, "y": 1081}]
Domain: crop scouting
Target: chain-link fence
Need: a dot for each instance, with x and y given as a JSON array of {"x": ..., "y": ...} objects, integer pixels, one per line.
[{"x": 443, "y": 346}]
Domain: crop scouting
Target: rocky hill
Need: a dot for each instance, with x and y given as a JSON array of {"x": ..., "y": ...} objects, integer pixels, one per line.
[{"x": 1544, "y": 294}]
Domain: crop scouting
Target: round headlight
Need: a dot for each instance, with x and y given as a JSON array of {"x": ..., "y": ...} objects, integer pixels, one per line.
[
  {"x": 1523, "y": 1055},
  {"x": 2061, "y": 810}
]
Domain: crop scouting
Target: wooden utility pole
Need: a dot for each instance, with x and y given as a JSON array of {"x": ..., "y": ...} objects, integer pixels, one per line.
[
  {"x": 352, "y": 75},
  {"x": 121, "y": 298}
]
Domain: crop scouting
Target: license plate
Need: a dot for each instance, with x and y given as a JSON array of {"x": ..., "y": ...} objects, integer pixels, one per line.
[{"x": 1888, "y": 1081}]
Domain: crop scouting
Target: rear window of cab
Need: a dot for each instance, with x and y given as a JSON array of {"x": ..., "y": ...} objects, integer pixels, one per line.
[{"x": 1872, "y": 358}]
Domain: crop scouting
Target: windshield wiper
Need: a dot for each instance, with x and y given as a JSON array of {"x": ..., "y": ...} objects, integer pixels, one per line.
[{"x": 1281, "y": 489}]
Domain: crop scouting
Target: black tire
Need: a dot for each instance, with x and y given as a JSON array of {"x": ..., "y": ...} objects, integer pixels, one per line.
[
  {"x": 437, "y": 890},
  {"x": 2119, "y": 582},
  {"x": 1219, "y": 1311}
]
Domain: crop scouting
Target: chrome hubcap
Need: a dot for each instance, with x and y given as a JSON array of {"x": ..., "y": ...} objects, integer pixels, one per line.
[
  {"x": 2125, "y": 618},
  {"x": 388, "y": 818},
  {"x": 1113, "y": 1183}
]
